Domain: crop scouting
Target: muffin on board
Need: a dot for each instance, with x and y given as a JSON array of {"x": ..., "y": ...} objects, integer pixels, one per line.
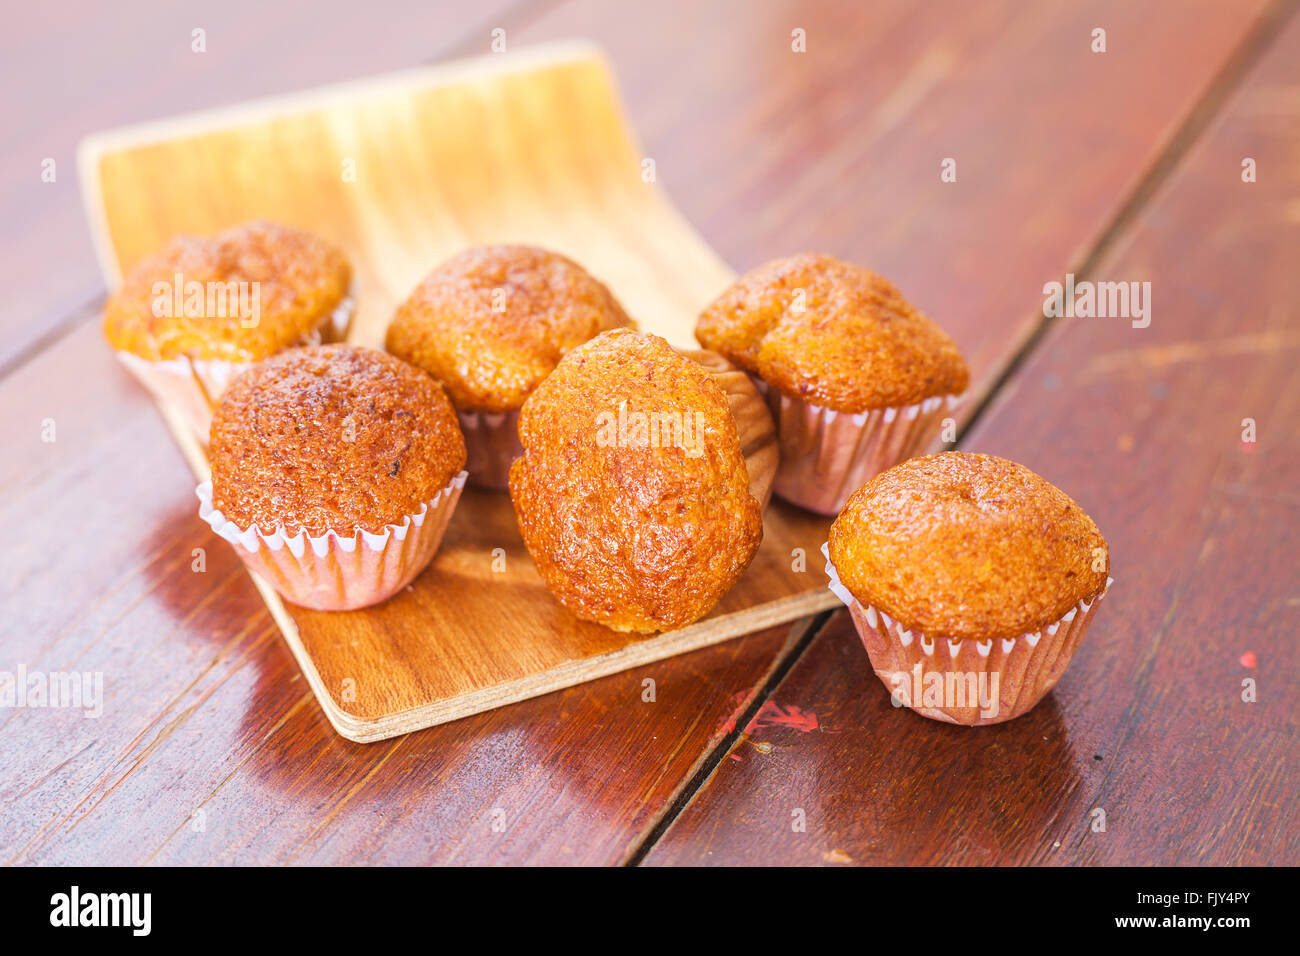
[
  {"x": 489, "y": 324},
  {"x": 335, "y": 470},
  {"x": 641, "y": 485},
  {"x": 971, "y": 581},
  {"x": 192, "y": 316},
  {"x": 857, "y": 378}
]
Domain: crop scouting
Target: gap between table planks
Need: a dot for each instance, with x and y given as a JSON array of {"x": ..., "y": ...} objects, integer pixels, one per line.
[
  {"x": 1143, "y": 426},
  {"x": 527, "y": 147}
]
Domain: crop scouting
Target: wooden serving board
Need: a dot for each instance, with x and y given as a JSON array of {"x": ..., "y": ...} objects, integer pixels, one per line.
[{"x": 401, "y": 172}]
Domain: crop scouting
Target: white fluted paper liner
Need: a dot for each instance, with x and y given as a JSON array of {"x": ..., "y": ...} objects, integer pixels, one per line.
[
  {"x": 491, "y": 445},
  {"x": 827, "y": 455},
  {"x": 336, "y": 572},
  {"x": 193, "y": 386},
  {"x": 1027, "y": 667}
]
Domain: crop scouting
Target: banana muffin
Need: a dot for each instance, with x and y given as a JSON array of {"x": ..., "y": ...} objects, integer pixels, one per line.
[
  {"x": 334, "y": 472},
  {"x": 192, "y": 316},
  {"x": 856, "y": 377},
  {"x": 971, "y": 581},
  {"x": 490, "y": 324},
  {"x": 634, "y": 494}
]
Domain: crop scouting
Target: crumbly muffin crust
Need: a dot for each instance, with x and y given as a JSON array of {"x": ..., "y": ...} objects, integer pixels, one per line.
[
  {"x": 301, "y": 280},
  {"x": 967, "y": 546},
  {"x": 332, "y": 437},
  {"x": 634, "y": 536},
  {"x": 832, "y": 334},
  {"x": 490, "y": 360}
]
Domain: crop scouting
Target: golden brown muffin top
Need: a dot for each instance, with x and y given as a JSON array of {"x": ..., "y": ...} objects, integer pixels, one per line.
[
  {"x": 638, "y": 533},
  {"x": 963, "y": 546},
  {"x": 291, "y": 282},
  {"x": 493, "y": 321},
  {"x": 332, "y": 437},
  {"x": 832, "y": 334}
]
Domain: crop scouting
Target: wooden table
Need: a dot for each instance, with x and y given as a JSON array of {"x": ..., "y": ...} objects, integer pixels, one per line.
[{"x": 1122, "y": 165}]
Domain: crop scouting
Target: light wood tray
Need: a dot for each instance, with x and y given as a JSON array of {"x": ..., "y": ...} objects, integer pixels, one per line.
[{"x": 527, "y": 147}]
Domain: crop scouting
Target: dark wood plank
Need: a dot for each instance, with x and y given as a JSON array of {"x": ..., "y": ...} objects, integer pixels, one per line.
[
  {"x": 839, "y": 149},
  {"x": 205, "y": 708},
  {"x": 579, "y": 776},
  {"x": 1143, "y": 426}
]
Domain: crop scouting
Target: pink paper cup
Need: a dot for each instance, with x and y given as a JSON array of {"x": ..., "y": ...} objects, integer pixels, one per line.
[
  {"x": 827, "y": 455},
  {"x": 966, "y": 682},
  {"x": 491, "y": 445},
  {"x": 334, "y": 572}
]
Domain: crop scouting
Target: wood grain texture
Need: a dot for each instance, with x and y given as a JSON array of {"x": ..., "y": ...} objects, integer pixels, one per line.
[
  {"x": 524, "y": 147},
  {"x": 480, "y": 630},
  {"x": 1143, "y": 427},
  {"x": 577, "y": 777},
  {"x": 842, "y": 145},
  {"x": 206, "y": 702}
]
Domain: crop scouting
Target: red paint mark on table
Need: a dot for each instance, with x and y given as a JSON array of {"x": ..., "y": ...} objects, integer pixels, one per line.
[
  {"x": 772, "y": 714},
  {"x": 1248, "y": 659},
  {"x": 736, "y": 705}
]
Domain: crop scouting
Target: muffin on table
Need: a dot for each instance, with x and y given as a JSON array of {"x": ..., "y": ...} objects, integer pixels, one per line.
[
  {"x": 971, "y": 581},
  {"x": 640, "y": 489},
  {"x": 335, "y": 470},
  {"x": 489, "y": 324},
  {"x": 856, "y": 378},
  {"x": 192, "y": 316}
]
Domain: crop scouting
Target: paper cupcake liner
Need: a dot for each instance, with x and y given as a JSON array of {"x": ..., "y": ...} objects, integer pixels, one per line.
[
  {"x": 491, "y": 445},
  {"x": 333, "y": 572},
  {"x": 754, "y": 426},
  {"x": 1010, "y": 675},
  {"x": 193, "y": 386},
  {"x": 828, "y": 455}
]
